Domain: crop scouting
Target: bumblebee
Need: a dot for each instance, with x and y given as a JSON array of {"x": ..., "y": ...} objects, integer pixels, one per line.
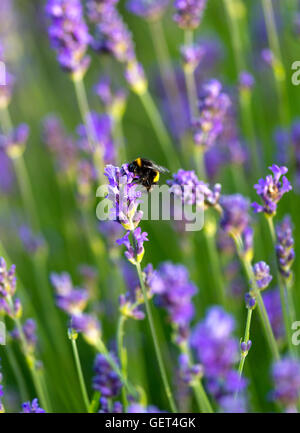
[{"x": 146, "y": 171}]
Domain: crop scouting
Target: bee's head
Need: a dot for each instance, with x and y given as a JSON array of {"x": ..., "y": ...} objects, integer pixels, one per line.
[{"x": 132, "y": 167}]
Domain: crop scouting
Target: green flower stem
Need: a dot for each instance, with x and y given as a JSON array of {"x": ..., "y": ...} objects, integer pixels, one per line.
[
  {"x": 85, "y": 113},
  {"x": 79, "y": 372},
  {"x": 122, "y": 355},
  {"x": 189, "y": 77},
  {"x": 285, "y": 295},
  {"x": 199, "y": 391},
  {"x": 17, "y": 372},
  {"x": 165, "y": 64},
  {"x": 246, "y": 339},
  {"x": 31, "y": 361},
  {"x": 22, "y": 175},
  {"x": 100, "y": 346},
  {"x": 160, "y": 130},
  {"x": 261, "y": 307},
  {"x": 277, "y": 64},
  {"x": 155, "y": 341},
  {"x": 244, "y": 95}
]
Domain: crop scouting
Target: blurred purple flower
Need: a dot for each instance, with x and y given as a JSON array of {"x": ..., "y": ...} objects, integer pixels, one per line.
[
  {"x": 189, "y": 13},
  {"x": 106, "y": 380},
  {"x": 246, "y": 80},
  {"x": 192, "y": 55},
  {"x": 103, "y": 134},
  {"x": 286, "y": 378},
  {"x": 271, "y": 190},
  {"x": 72, "y": 300},
  {"x": 32, "y": 407},
  {"x": 174, "y": 292},
  {"x": 31, "y": 242},
  {"x": 14, "y": 142},
  {"x": 68, "y": 34},
  {"x": 148, "y": 9},
  {"x": 273, "y": 306},
  {"x": 235, "y": 218},
  {"x": 88, "y": 325},
  {"x": 213, "y": 106}
]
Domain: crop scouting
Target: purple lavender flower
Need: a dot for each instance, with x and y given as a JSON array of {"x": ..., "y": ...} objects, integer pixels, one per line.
[
  {"x": 246, "y": 81},
  {"x": 192, "y": 56},
  {"x": 32, "y": 407},
  {"x": 106, "y": 407},
  {"x": 271, "y": 190},
  {"x": 286, "y": 378},
  {"x": 103, "y": 134},
  {"x": 106, "y": 381},
  {"x": 235, "y": 218},
  {"x": 31, "y": 242},
  {"x": 124, "y": 195},
  {"x": 88, "y": 325},
  {"x": 262, "y": 275},
  {"x": 148, "y": 9},
  {"x": 189, "y": 13},
  {"x": 218, "y": 351},
  {"x": 112, "y": 34},
  {"x": 136, "y": 251},
  {"x": 285, "y": 247},
  {"x": 97, "y": 8},
  {"x": 7, "y": 279},
  {"x": 139, "y": 408},
  {"x": 61, "y": 145},
  {"x": 136, "y": 78},
  {"x": 273, "y": 306},
  {"x": 7, "y": 175},
  {"x": 187, "y": 186},
  {"x": 14, "y": 143},
  {"x": 232, "y": 404},
  {"x": 7, "y": 88},
  {"x": 189, "y": 374},
  {"x": 70, "y": 299},
  {"x": 267, "y": 56},
  {"x": 213, "y": 106},
  {"x": 114, "y": 101},
  {"x": 174, "y": 292},
  {"x": 29, "y": 330},
  {"x": 68, "y": 34}
]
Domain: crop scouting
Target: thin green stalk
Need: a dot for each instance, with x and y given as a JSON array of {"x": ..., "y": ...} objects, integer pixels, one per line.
[
  {"x": 285, "y": 298},
  {"x": 244, "y": 95},
  {"x": 189, "y": 78},
  {"x": 277, "y": 64},
  {"x": 85, "y": 113},
  {"x": 100, "y": 346},
  {"x": 30, "y": 359},
  {"x": 160, "y": 130},
  {"x": 155, "y": 341},
  {"x": 246, "y": 339},
  {"x": 22, "y": 174},
  {"x": 261, "y": 307},
  {"x": 17, "y": 372},
  {"x": 79, "y": 372},
  {"x": 122, "y": 355},
  {"x": 165, "y": 65},
  {"x": 199, "y": 391}
]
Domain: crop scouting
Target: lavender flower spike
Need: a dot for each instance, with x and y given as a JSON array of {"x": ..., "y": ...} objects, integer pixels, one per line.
[
  {"x": 271, "y": 190},
  {"x": 124, "y": 195},
  {"x": 235, "y": 218},
  {"x": 285, "y": 247},
  {"x": 134, "y": 253},
  {"x": 14, "y": 143},
  {"x": 68, "y": 34},
  {"x": 148, "y": 9},
  {"x": 262, "y": 275},
  {"x": 286, "y": 377},
  {"x": 189, "y": 13},
  {"x": 106, "y": 381},
  {"x": 32, "y": 407}
]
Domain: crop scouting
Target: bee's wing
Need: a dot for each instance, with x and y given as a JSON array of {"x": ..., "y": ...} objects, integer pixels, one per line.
[{"x": 157, "y": 167}]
